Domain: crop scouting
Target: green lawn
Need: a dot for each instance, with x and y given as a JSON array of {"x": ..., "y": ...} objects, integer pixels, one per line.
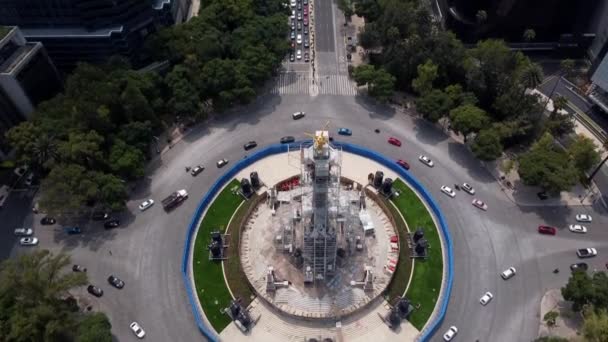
[
  {"x": 211, "y": 288},
  {"x": 426, "y": 281}
]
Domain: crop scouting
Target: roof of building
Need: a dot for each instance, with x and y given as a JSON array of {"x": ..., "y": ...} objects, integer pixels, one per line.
[
  {"x": 17, "y": 57},
  {"x": 75, "y": 32},
  {"x": 4, "y": 30}
]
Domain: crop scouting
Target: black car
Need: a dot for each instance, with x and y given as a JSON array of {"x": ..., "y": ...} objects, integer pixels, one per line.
[
  {"x": 113, "y": 223},
  {"x": 95, "y": 291},
  {"x": 99, "y": 216},
  {"x": 288, "y": 139},
  {"x": 117, "y": 283},
  {"x": 248, "y": 146},
  {"x": 542, "y": 195},
  {"x": 579, "y": 266},
  {"x": 47, "y": 221},
  {"x": 78, "y": 268}
]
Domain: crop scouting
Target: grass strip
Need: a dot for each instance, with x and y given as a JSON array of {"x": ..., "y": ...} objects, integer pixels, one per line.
[
  {"x": 426, "y": 280},
  {"x": 209, "y": 281}
]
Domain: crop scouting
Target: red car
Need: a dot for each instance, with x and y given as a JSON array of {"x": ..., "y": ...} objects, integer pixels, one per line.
[
  {"x": 547, "y": 230},
  {"x": 305, "y": 10},
  {"x": 403, "y": 164},
  {"x": 394, "y": 141},
  {"x": 305, "y": 21}
]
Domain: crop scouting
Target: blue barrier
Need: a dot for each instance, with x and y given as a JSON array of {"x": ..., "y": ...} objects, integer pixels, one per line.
[{"x": 278, "y": 148}]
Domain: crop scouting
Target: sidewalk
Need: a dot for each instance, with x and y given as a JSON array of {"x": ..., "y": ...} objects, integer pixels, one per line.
[{"x": 566, "y": 324}]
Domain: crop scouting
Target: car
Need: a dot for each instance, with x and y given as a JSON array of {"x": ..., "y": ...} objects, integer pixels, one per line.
[
  {"x": 577, "y": 228},
  {"x": 293, "y": 3},
  {"x": 20, "y": 171},
  {"x": 72, "y": 230},
  {"x": 196, "y": 170},
  {"x": 426, "y": 160},
  {"x": 306, "y": 30},
  {"x": 449, "y": 335},
  {"x": 292, "y": 57},
  {"x": 547, "y": 230},
  {"x": 331, "y": 138},
  {"x": 222, "y": 162},
  {"x": 30, "y": 179},
  {"x": 95, "y": 291},
  {"x": 99, "y": 216},
  {"x": 24, "y": 231},
  {"x": 306, "y": 57},
  {"x": 47, "y": 221},
  {"x": 448, "y": 191},
  {"x": 542, "y": 195},
  {"x": 299, "y": 27},
  {"x": 305, "y": 2},
  {"x": 298, "y": 115},
  {"x": 146, "y": 204},
  {"x": 403, "y": 164},
  {"x": 468, "y": 188},
  {"x": 306, "y": 44},
  {"x": 305, "y": 21},
  {"x": 293, "y": 14},
  {"x": 583, "y": 218},
  {"x": 299, "y": 54},
  {"x": 299, "y": 15},
  {"x": 305, "y": 11},
  {"x": 114, "y": 281},
  {"x": 287, "y": 139},
  {"x": 479, "y": 204},
  {"x": 579, "y": 266},
  {"x": 486, "y": 298},
  {"x": 137, "y": 330},
  {"x": 582, "y": 253},
  {"x": 508, "y": 273},
  {"x": 112, "y": 223},
  {"x": 299, "y": 38},
  {"x": 292, "y": 35},
  {"x": 394, "y": 141},
  {"x": 293, "y": 25},
  {"x": 28, "y": 241},
  {"x": 248, "y": 146},
  {"x": 78, "y": 268},
  {"x": 299, "y": 7},
  {"x": 345, "y": 131}
]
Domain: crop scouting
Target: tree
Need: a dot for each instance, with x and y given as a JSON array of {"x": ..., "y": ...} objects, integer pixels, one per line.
[
  {"x": 529, "y": 35},
  {"x": 551, "y": 339},
  {"x": 434, "y": 105},
  {"x": 82, "y": 148},
  {"x": 578, "y": 290},
  {"x": 560, "y": 125},
  {"x": 23, "y": 139},
  {"x": 599, "y": 166},
  {"x": 460, "y": 97},
  {"x": 427, "y": 73},
  {"x": 583, "y": 153},
  {"x": 95, "y": 327},
  {"x": 567, "y": 66},
  {"x": 531, "y": 76},
  {"x": 363, "y": 74},
  {"x": 487, "y": 145},
  {"x": 550, "y": 318},
  {"x": 468, "y": 119},
  {"x": 126, "y": 160},
  {"x": 559, "y": 103},
  {"x": 382, "y": 85},
  {"x": 481, "y": 16},
  {"x": 45, "y": 151},
  {"x": 111, "y": 191},
  {"x": 595, "y": 326},
  {"x": 547, "y": 166},
  {"x": 67, "y": 188},
  {"x": 346, "y": 7}
]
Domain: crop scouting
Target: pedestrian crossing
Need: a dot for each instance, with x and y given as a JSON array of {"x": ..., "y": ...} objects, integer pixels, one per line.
[{"x": 303, "y": 84}]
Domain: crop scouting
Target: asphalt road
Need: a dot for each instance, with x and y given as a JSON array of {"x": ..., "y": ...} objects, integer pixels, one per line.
[{"x": 146, "y": 251}]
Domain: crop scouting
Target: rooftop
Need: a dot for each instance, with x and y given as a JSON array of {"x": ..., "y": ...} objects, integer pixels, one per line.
[
  {"x": 4, "y": 31},
  {"x": 74, "y": 32},
  {"x": 16, "y": 58}
]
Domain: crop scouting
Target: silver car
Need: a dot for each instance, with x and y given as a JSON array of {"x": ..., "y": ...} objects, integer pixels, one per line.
[
  {"x": 146, "y": 204},
  {"x": 28, "y": 241},
  {"x": 24, "y": 231}
]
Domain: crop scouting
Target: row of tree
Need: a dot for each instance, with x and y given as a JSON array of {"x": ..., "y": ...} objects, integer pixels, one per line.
[
  {"x": 89, "y": 141},
  {"x": 36, "y": 304}
]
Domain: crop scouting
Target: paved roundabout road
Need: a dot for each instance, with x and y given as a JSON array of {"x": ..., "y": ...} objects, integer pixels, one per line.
[{"x": 147, "y": 251}]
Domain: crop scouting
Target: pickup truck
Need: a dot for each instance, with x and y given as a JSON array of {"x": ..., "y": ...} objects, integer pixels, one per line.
[
  {"x": 174, "y": 199},
  {"x": 586, "y": 252}
]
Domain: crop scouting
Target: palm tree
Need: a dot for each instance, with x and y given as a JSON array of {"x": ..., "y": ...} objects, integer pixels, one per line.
[
  {"x": 605, "y": 146},
  {"x": 567, "y": 65},
  {"x": 559, "y": 103},
  {"x": 531, "y": 76},
  {"x": 481, "y": 17},
  {"x": 529, "y": 35},
  {"x": 45, "y": 150}
]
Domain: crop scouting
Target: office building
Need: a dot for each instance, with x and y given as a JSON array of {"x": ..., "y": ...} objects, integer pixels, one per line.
[
  {"x": 91, "y": 30},
  {"x": 27, "y": 77}
]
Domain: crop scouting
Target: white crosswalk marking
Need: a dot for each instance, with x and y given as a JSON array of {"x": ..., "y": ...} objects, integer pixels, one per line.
[{"x": 301, "y": 84}]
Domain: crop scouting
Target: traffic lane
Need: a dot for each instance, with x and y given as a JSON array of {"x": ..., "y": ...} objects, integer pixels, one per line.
[
  {"x": 324, "y": 27},
  {"x": 15, "y": 214}
]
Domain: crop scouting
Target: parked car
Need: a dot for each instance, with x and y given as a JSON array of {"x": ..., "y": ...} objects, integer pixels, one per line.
[
  {"x": 448, "y": 191},
  {"x": 579, "y": 266},
  {"x": 486, "y": 298},
  {"x": 47, "y": 221},
  {"x": 78, "y": 268},
  {"x": 196, "y": 170},
  {"x": 24, "y": 231},
  {"x": 426, "y": 161},
  {"x": 95, "y": 291},
  {"x": 298, "y": 115},
  {"x": 468, "y": 188},
  {"x": 30, "y": 179},
  {"x": 292, "y": 57},
  {"x": 112, "y": 223},
  {"x": 479, "y": 204},
  {"x": 449, "y": 335},
  {"x": 146, "y": 204},
  {"x": 72, "y": 230},
  {"x": 137, "y": 330},
  {"x": 577, "y": 228},
  {"x": 345, "y": 131},
  {"x": 222, "y": 162},
  {"x": 287, "y": 140},
  {"x": 306, "y": 57},
  {"x": 403, "y": 164},
  {"x": 394, "y": 141},
  {"x": 100, "y": 216},
  {"x": 248, "y": 146},
  {"x": 28, "y": 241},
  {"x": 508, "y": 273},
  {"x": 114, "y": 281},
  {"x": 583, "y": 218},
  {"x": 547, "y": 230},
  {"x": 586, "y": 252},
  {"x": 20, "y": 171}
]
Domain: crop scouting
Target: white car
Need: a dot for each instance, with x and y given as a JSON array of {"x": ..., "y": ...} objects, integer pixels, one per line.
[
  {"x": 299, "y": 41},
  {"x": 479, "y": 204},
  {"x": 468, "y": 188},
  {"x": 586, "y": 252},
  {"x": 426, "y": 161},
  {"x": 137, "y": 330},
  {"x": 146, "y": 204},
  {"x": 299, "y": 54},
  {"x": 293, "y": 14},
  {"x": 487, "y": 297},
  {"x": 24, "y": 231},
  {"x": 508, "y": 273},
  {"x": 577, "y": 228},
  {"x": 293, "y": 3},
  {"x": 222, "y": 162},
  {"x": 448, "y": 191},
  {"x": 583, "y": 218},
  {"x": 298, "y": 115},
  {"x": 28, "y": 241},
  {"x": 449, "y": 335}
]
